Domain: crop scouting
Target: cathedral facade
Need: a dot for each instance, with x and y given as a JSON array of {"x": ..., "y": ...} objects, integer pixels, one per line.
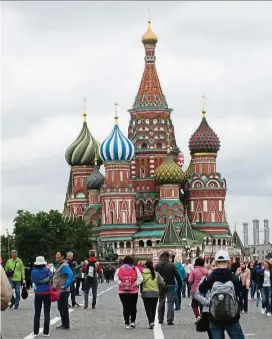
[{"x": 147, "y": 201}]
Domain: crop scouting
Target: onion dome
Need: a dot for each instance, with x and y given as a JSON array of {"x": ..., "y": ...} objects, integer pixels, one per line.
[
  {"x": 116, "y": 147},
  {"x": 204, "y": 139},
  {"x": 82, "y": 151},
  {"x": 188, "y": 173},
  {"x": 68, "y": 214},
  {"x": 95, "y": 180},
  {"x": 149, "y": 38},
  {"x": 168, "y": 172}
]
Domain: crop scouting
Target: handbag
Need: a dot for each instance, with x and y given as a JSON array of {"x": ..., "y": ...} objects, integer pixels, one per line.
[
  {"x": 10, "y": 273},
  {"x": 24, "y": 293},
  {"x": 204, "y": 323},
  {"x": 54, "y": 294}
]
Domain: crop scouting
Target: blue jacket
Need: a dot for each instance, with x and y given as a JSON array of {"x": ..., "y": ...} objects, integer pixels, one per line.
[
  {"x": 68, "y": 273},
  {"x": 182, "y": 273},
  {"x": 39, "y": 274}
]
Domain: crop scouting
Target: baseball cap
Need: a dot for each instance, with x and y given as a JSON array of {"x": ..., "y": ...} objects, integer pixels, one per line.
[{"x": 222, "y": 256}]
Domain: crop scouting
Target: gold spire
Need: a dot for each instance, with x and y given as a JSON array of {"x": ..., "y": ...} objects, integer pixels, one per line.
[
  {"x": 203, "y": 106},
  {"x": 84, "y": 110},
  {"x": 149, "y": 38},
  {"x": 116, "y": 115},
  {"x": 95, "y": 156},
  {"x": 168, "y": 143}
]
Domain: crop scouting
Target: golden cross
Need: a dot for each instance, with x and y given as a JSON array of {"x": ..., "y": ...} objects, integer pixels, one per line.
[
  {"x": 203, "y": 105},
  {"x": 149, "y": 16},
  {"x": 116, "y": 115},
  {"x": 84, "y": 109}
]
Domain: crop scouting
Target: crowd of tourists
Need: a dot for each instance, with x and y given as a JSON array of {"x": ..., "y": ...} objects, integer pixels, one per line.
[{"x": 218, "y": 290}]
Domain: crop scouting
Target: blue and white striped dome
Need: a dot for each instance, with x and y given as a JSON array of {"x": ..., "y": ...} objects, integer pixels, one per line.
[{"x": 116, "y": 147}]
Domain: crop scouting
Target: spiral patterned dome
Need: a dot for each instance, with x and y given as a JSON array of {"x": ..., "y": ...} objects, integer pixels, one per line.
[
  {"x": 95, "y": 180},
  {"x": 168, "y": 172},
  {"x": 116, "y": 147},
  {"x": 204, "y": 139},
  {"x": 82, "y": 151}
]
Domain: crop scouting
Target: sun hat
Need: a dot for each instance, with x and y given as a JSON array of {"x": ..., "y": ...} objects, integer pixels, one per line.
[
  {"x": 222, "y": 256},
  {"x": 40, "y": 261}
]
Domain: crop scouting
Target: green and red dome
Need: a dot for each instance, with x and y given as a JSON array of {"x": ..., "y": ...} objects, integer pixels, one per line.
[{"x": 204, "y": 139}]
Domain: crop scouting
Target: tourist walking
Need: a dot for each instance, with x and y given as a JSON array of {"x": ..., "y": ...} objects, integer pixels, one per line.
[
  {"x": 182, "y": 273},
  {"x": 62, "y": 281},
  {"x": 235, "y": 265},
  {"x": 128, "y": 279},
  {"x": 252, "y": 280},
  {"x": 188, "y": 269},
  {"x": 244, "y": 273},
  {"x": 15, "y": 271},
  {"x": 194, "y": 279},
  {"x": 140, "y": 266},
  {"x": 72, "y": 264},
  {"x": 169, "y": 273},
  {"x": 223, "y": 288},
  {"x": 152, "y": 284},
  {"x": 266, "y": 285},
  {"x": 78, "y": 277},
  {"x": 39, "y": 274},
  {"x": 92, "y": 271}
]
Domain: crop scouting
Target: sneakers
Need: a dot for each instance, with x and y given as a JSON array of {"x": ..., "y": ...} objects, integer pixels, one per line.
[
  {"x": 243, "y": 311},
  {"x": 85, "y": 307},
  {"x": 197, "y": 320},
  {"x": 93, "y": 307},
  {"x": 132, "y": 325},
  {"x": 76, "y": 305},
  {"x": 170, "y": 323},
  {"x": 62, "y": 328},
  {"x": 151, "y": 326},
  {"x": 268, "y": 314},
  {"x": 127, "y": 327},
  {"x": 263, "y": 310}
]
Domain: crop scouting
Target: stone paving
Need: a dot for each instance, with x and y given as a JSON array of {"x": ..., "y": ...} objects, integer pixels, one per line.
[{"x": 106, "y": 321}]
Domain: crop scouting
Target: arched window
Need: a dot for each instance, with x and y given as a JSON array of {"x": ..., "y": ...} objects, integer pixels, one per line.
[
  {"x": 214, "y": 242},
  {"x": 141, "y": 243},
  {"x": 121, "y": 244},
  {"x": 111, "y": 217},
  {"x": 149, "y": 243},
  {"x": 219, "y": 242},
  {"x": 199, "y": 216},
  {"x": 141, "y": 208},
  {"x": 115, "y": 245},
  {"x": 149, "y": 205},
  {"x": 158, "y": 241},
  {"x": 144, "y": 145},
  {"x": 224, "y": 242},
  {"x": 159, "y": 145},
  {"x": 207, "y": 241},
  {"x": 142, "y": 172},
  {"x": 128, "y": 244}
]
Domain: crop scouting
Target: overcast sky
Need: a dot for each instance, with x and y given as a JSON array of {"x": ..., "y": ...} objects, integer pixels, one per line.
[{"x": 55, "y": 53}]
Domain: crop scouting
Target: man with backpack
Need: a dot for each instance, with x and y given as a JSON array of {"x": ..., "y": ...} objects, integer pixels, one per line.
[
  {"x": 92, "y": 270},
  {"x": 223, "y": 288},
  {"x": 169, "y": 273}
]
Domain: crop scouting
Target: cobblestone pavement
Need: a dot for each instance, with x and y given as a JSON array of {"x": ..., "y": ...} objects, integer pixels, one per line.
[{"x": 106, "y": 322}]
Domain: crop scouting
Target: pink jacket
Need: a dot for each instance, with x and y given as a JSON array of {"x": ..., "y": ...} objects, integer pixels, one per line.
[
  {"x": 195, "y": 276},
  {"x": 126, "y": 273},
  {"x": 244, "y": 276}
]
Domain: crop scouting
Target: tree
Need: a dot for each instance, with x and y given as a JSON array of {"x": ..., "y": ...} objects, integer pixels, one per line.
[
  {"x": 7, "y": 244},
  {"x": 47, "y": 233}
]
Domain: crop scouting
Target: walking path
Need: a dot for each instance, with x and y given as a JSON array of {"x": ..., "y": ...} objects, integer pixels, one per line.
[{"x": 106, "y": 321}]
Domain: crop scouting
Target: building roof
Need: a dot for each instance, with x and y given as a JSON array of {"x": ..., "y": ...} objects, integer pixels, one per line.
[
  {"x": 170, "y": 235},
  {"x": 95, "y": 179},
  {"x": 168, "y": 172},
  {"x": 186, "y": 229},
  {"x": 115, "y": 239},
  {"x": 149, "y": 234}
]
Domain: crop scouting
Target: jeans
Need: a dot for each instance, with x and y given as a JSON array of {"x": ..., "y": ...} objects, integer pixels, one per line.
[
  {"x": 38, "y": 302},
  {"x": 17, "y": 286},
  {"x": 244, "y": 299},
  {"x": 73, "y": 293},
  {"x": 178, "y": 299},
  {"x": 90, "y": 283},
  {"x": 252, "y": 288},
  {"x": 266, "y": 298},
  {"x": 234, "y": 331},
  {"x": 78, "y": 281},
  {"x": 129, "y": 302},
  {"x": 64, "y": 309},
  {"x": 150, "y": 305},
  {"x": 168, "y": 294}
]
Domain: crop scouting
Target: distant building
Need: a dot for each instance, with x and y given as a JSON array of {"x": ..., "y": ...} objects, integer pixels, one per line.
[
  {"x": 266, "y": 232},
  {"x": 245, "y": 233},
  {"x": 259, "y": 252},
  {"x": 256, "y": 232}
]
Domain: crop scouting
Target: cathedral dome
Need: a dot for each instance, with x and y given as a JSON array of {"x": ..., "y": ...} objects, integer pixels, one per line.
[
  {"x": 149, "y": 38},
  {"x": 168, "y": 172},
  {"x": 95, "y": 180},
  {"x": 116, "y": 147},
  {"x": 82, "y": 151},
  {"x": 204, "y": 139}
]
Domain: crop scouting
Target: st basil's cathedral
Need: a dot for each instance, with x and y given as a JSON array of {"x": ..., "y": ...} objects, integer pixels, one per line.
[{"x": 147, "y": 202}]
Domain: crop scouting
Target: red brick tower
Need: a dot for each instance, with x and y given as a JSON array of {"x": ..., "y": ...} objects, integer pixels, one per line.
[
  {"x": 205, "y": 189},
  {"x": 150, "y": 121}
]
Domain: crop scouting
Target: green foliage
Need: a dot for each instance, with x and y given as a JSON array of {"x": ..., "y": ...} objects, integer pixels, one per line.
[
  {"x": 7, "y": 244},
  {"x": 47, "y": 233}
]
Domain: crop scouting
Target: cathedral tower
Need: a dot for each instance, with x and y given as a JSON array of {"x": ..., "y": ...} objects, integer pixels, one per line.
[{"x": 150, "y": 121}]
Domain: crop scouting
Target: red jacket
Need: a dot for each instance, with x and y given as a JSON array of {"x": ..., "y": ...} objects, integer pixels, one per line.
[
  {"x": 93, "y": 260},
  {"x": 195, "y": 277}
]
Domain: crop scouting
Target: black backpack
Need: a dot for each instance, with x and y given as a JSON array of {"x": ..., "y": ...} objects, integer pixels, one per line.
[{"x": 91, "y": 270}]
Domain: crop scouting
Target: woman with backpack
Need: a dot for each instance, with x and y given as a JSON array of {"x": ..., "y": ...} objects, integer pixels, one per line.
[
  {"x": 152, "y": 283},
  {"x": 128, "y": 279},
  {"x": 40, "y": 276}
]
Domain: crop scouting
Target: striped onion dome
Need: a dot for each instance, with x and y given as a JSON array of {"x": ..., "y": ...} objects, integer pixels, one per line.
[
  {"x": 116, "y": 147},
  {"x": 95, "y": 180},
  {"x": 82, "y": 151},
  {"x": 168, "y": 172},
  {"x": 204, "y": 139}
]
